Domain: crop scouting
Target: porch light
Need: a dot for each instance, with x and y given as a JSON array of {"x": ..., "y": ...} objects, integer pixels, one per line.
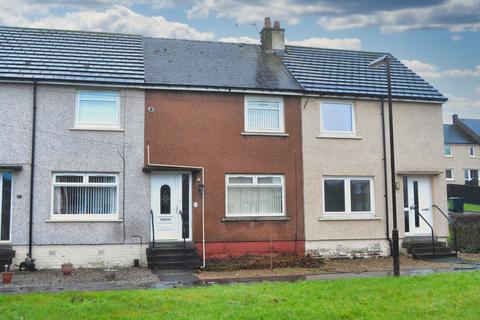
[{"x": 386, "y": 60}]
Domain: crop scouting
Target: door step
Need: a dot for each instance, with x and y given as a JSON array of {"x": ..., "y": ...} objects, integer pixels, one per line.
[
  {"x": 172, "y": 255},
  {"x": 420, "y": 248}
]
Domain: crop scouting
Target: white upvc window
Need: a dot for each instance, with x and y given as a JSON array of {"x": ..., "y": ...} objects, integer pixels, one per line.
[
  {"x": 348, "y": 196},
  {"x": 97, "y": 110},
  {"x": 337, "y": 119},
  {"x": 448, "y": 151},
  {"x": 471, "y": 152},
  {"x": 249, "y": 195},
  {"x": 471, "y": 175},
  {"x": 449, "y": 175},
  {"x": 264, "y": 114},
  {"x": 79, "y": 196}
]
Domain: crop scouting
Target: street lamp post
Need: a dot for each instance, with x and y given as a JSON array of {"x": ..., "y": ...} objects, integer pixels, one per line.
[{"x": 385, "y": 60}]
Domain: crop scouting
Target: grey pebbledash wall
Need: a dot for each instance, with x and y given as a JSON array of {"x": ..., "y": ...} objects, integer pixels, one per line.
[
  {"x": 60, "y": 148},
  {"x": 15, "y": 145}
]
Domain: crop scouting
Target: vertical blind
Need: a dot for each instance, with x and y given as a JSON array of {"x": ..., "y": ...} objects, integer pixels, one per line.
[
  {"x": 255, "y": 195},
  {"x": 264, "y": 115},
  {"x": 97, "y": 108},
  {"x": 85, "y": 194}
]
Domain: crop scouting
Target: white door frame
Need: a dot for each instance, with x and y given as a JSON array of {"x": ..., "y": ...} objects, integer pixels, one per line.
[
  {"x": 11, "y": 205},
  {"x": 179, "y": 174},
  {"x": 423, "y": 197}
]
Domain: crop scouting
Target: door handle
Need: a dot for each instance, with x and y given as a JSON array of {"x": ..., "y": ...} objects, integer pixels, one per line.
[
  {"x": 413, "y": 207},
  {"x": 425, "y": 209}
]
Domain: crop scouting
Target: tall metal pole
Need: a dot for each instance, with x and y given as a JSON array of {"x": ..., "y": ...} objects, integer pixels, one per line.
[{"x": 395, "y": 244}]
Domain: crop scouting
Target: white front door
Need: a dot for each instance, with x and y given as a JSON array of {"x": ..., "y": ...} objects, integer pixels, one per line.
[
  {"x": 170, "y": 198},
  {"x": 418, "y": 203}
]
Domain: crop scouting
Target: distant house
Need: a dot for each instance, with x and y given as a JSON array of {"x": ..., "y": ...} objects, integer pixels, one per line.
[
  {"x": 461, "y": 151},
  {"x": 132, "y": 145}
]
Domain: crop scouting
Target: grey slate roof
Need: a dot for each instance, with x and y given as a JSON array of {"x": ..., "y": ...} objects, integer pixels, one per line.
[
  {"x": 454, "y": 135},
  {"x": 70, "y": 55},
  {"x": 343, "y": 72},
  {"x": 472, "y": 124},
  {"x": 214, "y": 64}
]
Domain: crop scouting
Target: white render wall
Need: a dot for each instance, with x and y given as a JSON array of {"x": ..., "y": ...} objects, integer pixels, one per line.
[
  {"x": 419, "y": 146},
  {"x": 461, "y": 160},
  {"x": 84, "y": 256}
]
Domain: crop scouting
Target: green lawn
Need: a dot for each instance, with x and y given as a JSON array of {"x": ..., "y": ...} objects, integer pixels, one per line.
[
  {"x": 436, "y": 296},
  {"x": 471, "y": 207}
]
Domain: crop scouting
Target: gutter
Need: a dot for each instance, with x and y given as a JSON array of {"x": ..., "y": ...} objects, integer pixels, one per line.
[
  {"x": 385, "y": 176},
  {"x": 32, "y": 168},
  {"x": 150, "y": 164}
]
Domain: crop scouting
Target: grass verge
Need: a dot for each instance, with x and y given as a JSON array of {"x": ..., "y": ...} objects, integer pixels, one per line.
[
  {"x": 435, "y": 296},
  {"x": 471, "y": 207}
]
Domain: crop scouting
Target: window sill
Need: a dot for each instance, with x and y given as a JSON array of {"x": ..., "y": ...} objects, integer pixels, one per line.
[
  {"x": 96, "y": 129},
  {"x": 338, "y": 136},
  {"x": 348, "y": 218},
  {"x": 273, "y": 134},
  {"x": 240, "y": 219},
  {"x": 54, "y": 220}
]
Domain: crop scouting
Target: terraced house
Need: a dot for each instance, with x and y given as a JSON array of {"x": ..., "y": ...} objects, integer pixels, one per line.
[
  {"x": 118, "y": 148},
  {"x": 462, "y": 139}
]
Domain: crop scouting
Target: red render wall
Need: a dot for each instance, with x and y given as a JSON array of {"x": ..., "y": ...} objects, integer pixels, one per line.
[{"x": 205, "y": 130}]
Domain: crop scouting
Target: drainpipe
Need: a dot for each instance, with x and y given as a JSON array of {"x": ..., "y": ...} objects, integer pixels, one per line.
[
  {"x": 203, "y": 194},
  {"x": 387, "y": 222},
  {"x": 32, "y": 168}
]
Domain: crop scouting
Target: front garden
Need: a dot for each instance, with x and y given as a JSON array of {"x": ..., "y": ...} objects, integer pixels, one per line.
[{"x": 435, "y": 296}]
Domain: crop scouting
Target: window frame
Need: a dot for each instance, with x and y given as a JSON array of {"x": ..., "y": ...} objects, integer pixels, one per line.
[
  {"x": 471, "y": 151},
  {"x": 469, "y": 178},
  {"x": 328, "y": 133},
  {"x": 281, "y": 120},
  {"x": 452, "y": 178},
  {"x": 98, "y": 126},
  {"x": 347, "y": 196},
  {"x": 84, "y": 217},
  {"x": 451, "y": 151},
  {"x": 255, "y": 183}
]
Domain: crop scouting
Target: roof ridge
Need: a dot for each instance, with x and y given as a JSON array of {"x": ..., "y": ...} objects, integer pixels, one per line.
[
  {"x": 73, "y": 31},
  {"x": 203, "y": 41},
  {"x": 333, "y": 49}
]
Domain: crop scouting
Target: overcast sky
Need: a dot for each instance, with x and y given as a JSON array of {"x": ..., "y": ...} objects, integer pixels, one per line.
[{"x": 440, "y": 40}]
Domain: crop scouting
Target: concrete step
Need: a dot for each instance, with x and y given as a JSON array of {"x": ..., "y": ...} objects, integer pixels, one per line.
[
  {"x": 428, "y": 249},
  {"x": 429, "y": 255},
  {"x": 423, "y": 244},
  {"x": 172, "y": 265}
]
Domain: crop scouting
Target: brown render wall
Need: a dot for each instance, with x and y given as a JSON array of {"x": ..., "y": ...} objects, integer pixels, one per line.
[{"x": 205, "y": 130}]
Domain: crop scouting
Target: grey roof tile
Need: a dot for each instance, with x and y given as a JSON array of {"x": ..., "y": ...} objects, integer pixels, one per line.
[
  {"x": 214, "y": 64},
  {"x": 43, "y": 54},
  {"x": 454, "y": 135},
  {"x": 346, "y": 72}
]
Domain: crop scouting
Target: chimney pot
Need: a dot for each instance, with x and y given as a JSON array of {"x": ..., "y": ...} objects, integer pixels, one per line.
[
  {"x": 272, "y": 39},
  {"x": 268, "y": 23}
]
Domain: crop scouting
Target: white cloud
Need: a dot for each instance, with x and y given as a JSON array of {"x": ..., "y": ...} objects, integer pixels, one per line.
[
  {"x": 431, "y": 71},
  {"x": 464, "y": 107},
  {"x": 456, "y": 38},
  {"x": 453, "y": 15},
  {"x": 338, "y": 43},
  {"x": 289, "y": 11},
  {"x": 115, "y": 19}
]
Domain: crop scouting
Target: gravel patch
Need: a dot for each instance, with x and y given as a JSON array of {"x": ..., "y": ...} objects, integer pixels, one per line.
[
  {"x": 474, "y": 257},
  {"x": 79, "y": 278}
]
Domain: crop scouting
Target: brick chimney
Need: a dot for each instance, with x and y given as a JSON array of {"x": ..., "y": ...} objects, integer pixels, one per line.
[{"x": 273, "y": 39}]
